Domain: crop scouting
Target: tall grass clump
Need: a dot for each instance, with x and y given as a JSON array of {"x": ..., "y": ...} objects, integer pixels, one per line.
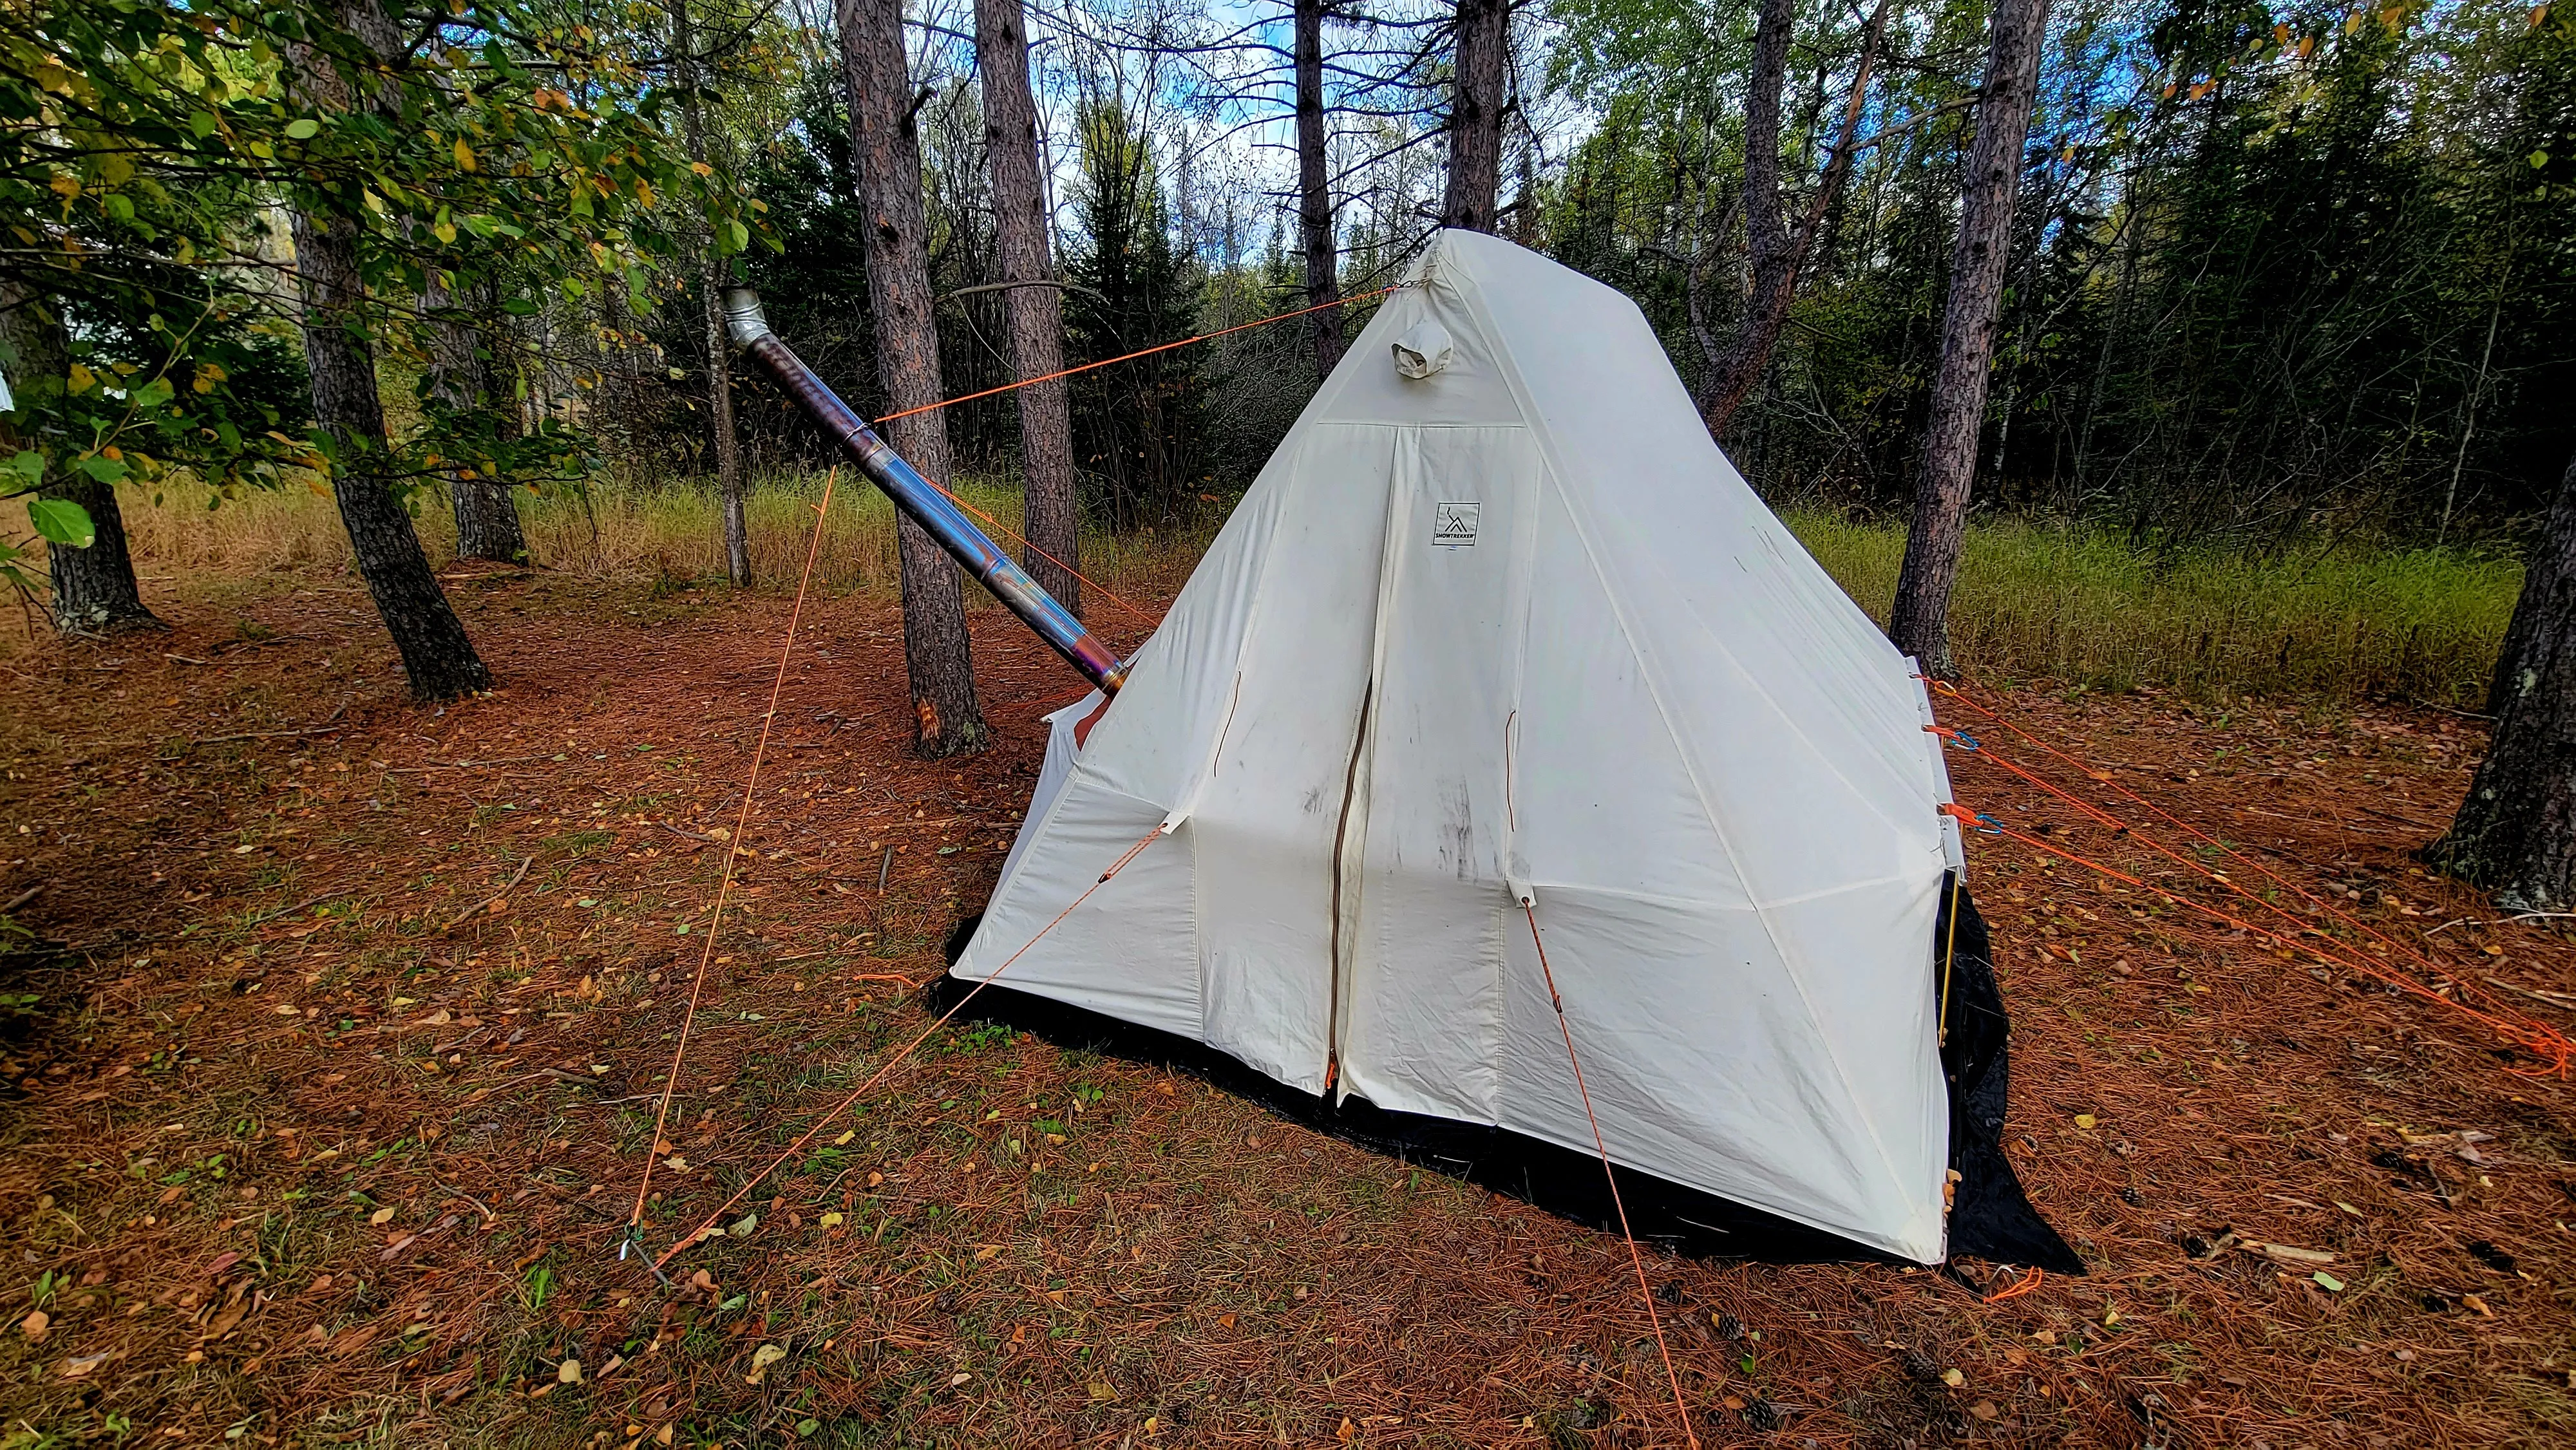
[
  {"x": 2088, "y": 607},
  {"x": 624, "y": 529},
  {"x": 2083, "y": 606}
]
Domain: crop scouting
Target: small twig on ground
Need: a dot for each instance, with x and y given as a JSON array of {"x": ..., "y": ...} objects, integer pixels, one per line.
[
  {"x": 23, "y": 897},
  {"x": 488, "y": 1215},
  {"x": 500, "y": 895},
  {"x": 2463, "y": 921},
  {"x": 687, "y": 835},
  {"x": 291, "y": 910},
  {"x": 461, "y": 764},
  {"x": 2554, "y": 999},
  {"x": 326, "y": 727},
  {"x": 183, "y": 659}
]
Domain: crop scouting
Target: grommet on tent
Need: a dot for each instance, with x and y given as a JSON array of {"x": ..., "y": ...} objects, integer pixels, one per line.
[{"x": 1424, "y": 349}]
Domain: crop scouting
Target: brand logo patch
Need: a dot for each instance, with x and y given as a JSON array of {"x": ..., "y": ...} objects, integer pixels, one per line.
[{"x": 1453, "y": 525}]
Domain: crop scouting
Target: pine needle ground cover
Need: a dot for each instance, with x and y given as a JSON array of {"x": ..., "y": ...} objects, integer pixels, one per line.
[{"x": 331, "y": 1067}]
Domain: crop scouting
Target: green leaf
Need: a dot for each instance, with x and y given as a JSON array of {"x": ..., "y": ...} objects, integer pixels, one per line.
[
  {"x": 103, "y": 468},
  {"x": 2328, "y": 1282},
  {"x": 28, "y": 470},
  {"x": 2538, "y": 159},
  {"x": 303, "y": 128},
  {"x": 62, "y": 522}
]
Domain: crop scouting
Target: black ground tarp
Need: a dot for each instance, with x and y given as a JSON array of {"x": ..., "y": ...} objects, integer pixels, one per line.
[{"x": 1991, "y": 1218}]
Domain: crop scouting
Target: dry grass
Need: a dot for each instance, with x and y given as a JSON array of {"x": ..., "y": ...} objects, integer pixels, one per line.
[
  {"x": 667, "y": 533},
  {"x": 2041, "y": 602}
]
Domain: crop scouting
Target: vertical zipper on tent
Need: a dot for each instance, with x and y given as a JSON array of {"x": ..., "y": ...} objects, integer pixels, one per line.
[{"x": 1341, "y": 836}]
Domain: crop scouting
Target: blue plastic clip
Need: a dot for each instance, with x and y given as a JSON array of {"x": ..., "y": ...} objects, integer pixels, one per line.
[
  {"x": 1988, "y": 825},
  {"x": 1963, "y": 740}
]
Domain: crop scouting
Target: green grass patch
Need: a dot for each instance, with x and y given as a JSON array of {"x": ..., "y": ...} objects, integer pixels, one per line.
[{"x": 2089, "y": 608}]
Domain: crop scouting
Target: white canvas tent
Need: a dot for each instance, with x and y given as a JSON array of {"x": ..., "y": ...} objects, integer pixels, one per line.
[{"x": 1500, "y": 634}]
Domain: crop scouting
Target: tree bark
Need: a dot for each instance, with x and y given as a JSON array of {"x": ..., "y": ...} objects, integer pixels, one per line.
[
  {"x": 1919, "y": 620},
  {"x": 94, "y": 588},
  {"x": 887, "y": 147},
  {"x": 737, "y": 537},
  {"x": 2515, "y": 834},
  {"x": 460, "y": 374},
  {"x": 436, "y": 653},
  {"x": 1484, "y": 30},
  {"x": 1777, "y": 253},
  {"x": 1053, "y": 507},
  {"x": 1314, "y": 192}
]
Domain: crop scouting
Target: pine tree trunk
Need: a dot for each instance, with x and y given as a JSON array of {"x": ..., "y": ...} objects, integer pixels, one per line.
[
  {"x": 1034, "y": 308},
  {"x": 1476, "y": 114},
  {"x": 887, "y": 149},
  {"x": 1919, "y": 620},
  {"x": 460, "y": 376},
  {"x": 94, "y": 588},
  {"x": 1314, "y": 191},
  {"x": 2515, "y": 834},
  {"x": 487, "y": 521},
  {"x": 1777, "y": 253},
  {"x": 737, "y": 536},
  {"x": 436, "y": 653}
]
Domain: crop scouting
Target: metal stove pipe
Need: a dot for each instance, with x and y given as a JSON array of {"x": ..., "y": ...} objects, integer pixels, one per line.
[{"x": 919, "y": 500}]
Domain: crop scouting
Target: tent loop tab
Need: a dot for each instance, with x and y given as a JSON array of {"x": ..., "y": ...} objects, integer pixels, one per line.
[{"x": 1960, "y": 738}]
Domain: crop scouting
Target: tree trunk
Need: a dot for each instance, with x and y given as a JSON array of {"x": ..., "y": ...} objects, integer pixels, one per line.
[
  {"x": 1776, "y": 252},
  {"x": 1484, "y": 30},
  {"x": 2515, "y": 834},
  {"x": 436, "y": 654},
  {"x": 460, "y": 375},
  {"x": 1919, "y": 620},
  {"x": 737, "y": 538},
  {"x": 1314, "y": 192},
  {"x": 94, "y": 588},
  {"x": 887, "y": 148},
  {"x": 1035, "y": 312}
]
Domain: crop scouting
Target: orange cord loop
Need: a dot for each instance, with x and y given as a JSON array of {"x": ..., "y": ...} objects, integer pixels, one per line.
[{"x": 2028, "y": 1282}]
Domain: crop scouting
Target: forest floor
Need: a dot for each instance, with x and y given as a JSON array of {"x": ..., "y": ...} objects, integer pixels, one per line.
[{"x": 332, "y": 1068}]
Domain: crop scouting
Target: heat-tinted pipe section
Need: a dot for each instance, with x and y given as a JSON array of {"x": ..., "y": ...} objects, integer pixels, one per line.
[{"x": 921, "y": 502}]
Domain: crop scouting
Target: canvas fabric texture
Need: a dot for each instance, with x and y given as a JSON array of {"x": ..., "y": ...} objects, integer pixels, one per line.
[{"x": 1512, "y": 638}]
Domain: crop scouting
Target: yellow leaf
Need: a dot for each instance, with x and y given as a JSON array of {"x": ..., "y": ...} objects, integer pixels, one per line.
[
  {"x": 986, "y": 1252},
  {"x": 845, "y": 1138},
  {"x": 568, "y": 1372},
  {"x": 464, "y": 154},
  {"x": 830, "y": 1220},
  {"x": 82, "y": 379},
  {"x": 384, "y": 1215},
  {"x": 2084, "y": 1120},
  {"x": 761, "y": 1359}
]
